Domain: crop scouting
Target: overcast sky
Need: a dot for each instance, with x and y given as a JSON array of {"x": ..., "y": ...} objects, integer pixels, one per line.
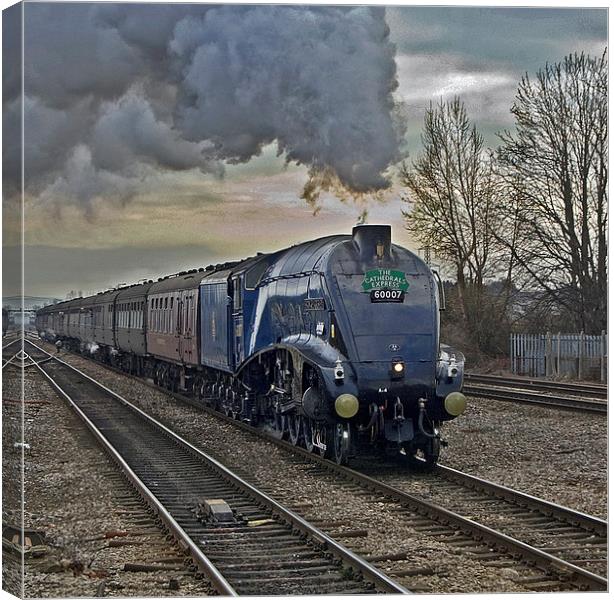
[{"x": 189, "y": 140}]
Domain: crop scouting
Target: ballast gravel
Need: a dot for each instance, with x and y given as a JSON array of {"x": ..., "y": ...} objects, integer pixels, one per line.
[
  {"x": 91, "y": 518},
  {"x": 372, "y": 526},
  {"x": 557, "y": 455}
]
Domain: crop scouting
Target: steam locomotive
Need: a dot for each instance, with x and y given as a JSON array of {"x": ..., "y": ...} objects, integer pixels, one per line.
[{"x": 332, "y": 343}]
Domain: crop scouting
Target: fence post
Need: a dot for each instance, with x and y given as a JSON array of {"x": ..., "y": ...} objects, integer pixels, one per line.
[
  {"x": 548, "y": 353},
  {"x": 580, "y": 354},
  {"x": 558, "y": 354}
]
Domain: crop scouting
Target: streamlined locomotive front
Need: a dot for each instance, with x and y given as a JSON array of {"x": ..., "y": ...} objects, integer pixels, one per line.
[{"x": 395, "y": 384}]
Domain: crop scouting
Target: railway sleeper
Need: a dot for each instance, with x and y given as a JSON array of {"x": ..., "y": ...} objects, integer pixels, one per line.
[
  {"x": 392, "y": 556},
  {"x": 486, "y": 556},
  {"x": 281, "y": 545},
  {"x": 537, "y": 579},
  {"x": 298, "y": 551},
  {"x": 462, "y": 541},
  {"x": 232, "y": 531},
  {"x": 590, "y": 560},
  {"x": 262, "y": 542},
  {"x": 592, "y": 548},
  {"x": 537, "y": 530},
  {"x": 292, "y": 569},
  {"x": 291, "y": 564},
  {"x": 345, "y": 587},
  {"x": 336, "y": 576},
  {"x": 547, "y": 521},
  {"x": 241, "y": 538},
  {"x": 329, "y": 523},
  {"x": 437, "y": 531},
  {"x": 545, "y": 586},
  {"x": 579, "y": 536}
]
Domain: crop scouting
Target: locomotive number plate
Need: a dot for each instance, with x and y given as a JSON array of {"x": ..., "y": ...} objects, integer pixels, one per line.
[{"x": 387, "y": 295}]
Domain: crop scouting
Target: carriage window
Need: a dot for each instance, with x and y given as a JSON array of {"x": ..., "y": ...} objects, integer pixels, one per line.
[{"x": 237, "y": 293}]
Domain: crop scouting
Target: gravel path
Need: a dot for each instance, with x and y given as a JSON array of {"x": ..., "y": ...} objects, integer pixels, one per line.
[
  {"x": 368, "y": 526},
  {"x": 93, "y": 522}
]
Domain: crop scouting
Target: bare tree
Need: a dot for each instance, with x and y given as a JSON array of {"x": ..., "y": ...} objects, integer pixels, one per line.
[
  {"x": 555, "y": 163},
  {"x": 452, "y": 193}
]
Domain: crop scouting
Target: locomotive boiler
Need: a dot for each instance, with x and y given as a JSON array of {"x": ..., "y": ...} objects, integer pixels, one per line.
[{"x": 333, "y": 344}]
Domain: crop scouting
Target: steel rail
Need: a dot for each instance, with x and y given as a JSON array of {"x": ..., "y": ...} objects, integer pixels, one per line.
[
  {"x": 349, "y": 558},
  {"x": 182, "y": 538},
  {"x": 538, "y": 399},
  {"x": 589, "y": 522},
  {"x": 17, "y": 339},
  {"x": 23, "y": 358},
  {"x": 591, "y": 390},
  {"x": 475, "y": 530},
  {"x": 8, "y": 362},
  {"x": 443, "y": 515}
]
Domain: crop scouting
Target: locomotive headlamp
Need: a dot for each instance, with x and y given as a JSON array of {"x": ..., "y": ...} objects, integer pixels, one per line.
[
  {"x": 339, "y": 371},
  {"x": 452, "y": 368},
  {"x": 398, "y": 369},
  {"x": 346, "y": 405},
  {"x": 455, "y": 403}
]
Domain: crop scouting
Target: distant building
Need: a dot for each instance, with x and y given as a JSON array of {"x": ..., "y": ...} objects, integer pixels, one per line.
[{"x": 30, "y": 304}]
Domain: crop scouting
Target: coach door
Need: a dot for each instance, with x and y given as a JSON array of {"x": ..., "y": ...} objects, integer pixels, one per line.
[
  {"x": 178, "y": 317},
  {"x": 187, "y": 324},
  {"x": 188, "y": 345},
  {"x": 237, "y": 318}
]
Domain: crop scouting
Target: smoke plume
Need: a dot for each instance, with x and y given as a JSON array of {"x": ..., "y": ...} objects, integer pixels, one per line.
[{"x": 113, "y": 92}]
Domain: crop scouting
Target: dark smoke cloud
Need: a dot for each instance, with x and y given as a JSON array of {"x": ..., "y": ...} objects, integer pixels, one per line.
[
  {"x": 318, "y": 81},
  {"x": 82, "y": 181},
  {"x": 115, "y": 91},
  {"x": 128, "y": 132},
  {"x": 68, "y": 56}
]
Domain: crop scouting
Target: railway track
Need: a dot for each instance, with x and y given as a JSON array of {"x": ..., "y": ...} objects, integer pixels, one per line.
[
  {"x": 15, "y": 356},
  {"x": 506, "y": 394},
  {"x": 556, "y": 538},
  {"x": 589, "y": 390},
  {"x": 569, "y": 535},
  {"x": 489, "y": 521},
  {"x": 242, "y": 539}
]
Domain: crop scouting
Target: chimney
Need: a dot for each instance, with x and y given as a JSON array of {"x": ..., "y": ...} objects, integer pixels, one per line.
[{"x": 373, "y": 242}]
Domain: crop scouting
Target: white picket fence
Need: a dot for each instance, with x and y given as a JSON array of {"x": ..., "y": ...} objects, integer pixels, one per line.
[{"x": 572, "y": 355}]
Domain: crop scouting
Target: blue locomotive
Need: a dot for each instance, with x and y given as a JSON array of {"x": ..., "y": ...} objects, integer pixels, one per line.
[{"x": 332, "y": 343}]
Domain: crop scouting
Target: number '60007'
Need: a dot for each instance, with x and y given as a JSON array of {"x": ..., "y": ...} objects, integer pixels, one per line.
[{"x": 387, "y": 295}]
